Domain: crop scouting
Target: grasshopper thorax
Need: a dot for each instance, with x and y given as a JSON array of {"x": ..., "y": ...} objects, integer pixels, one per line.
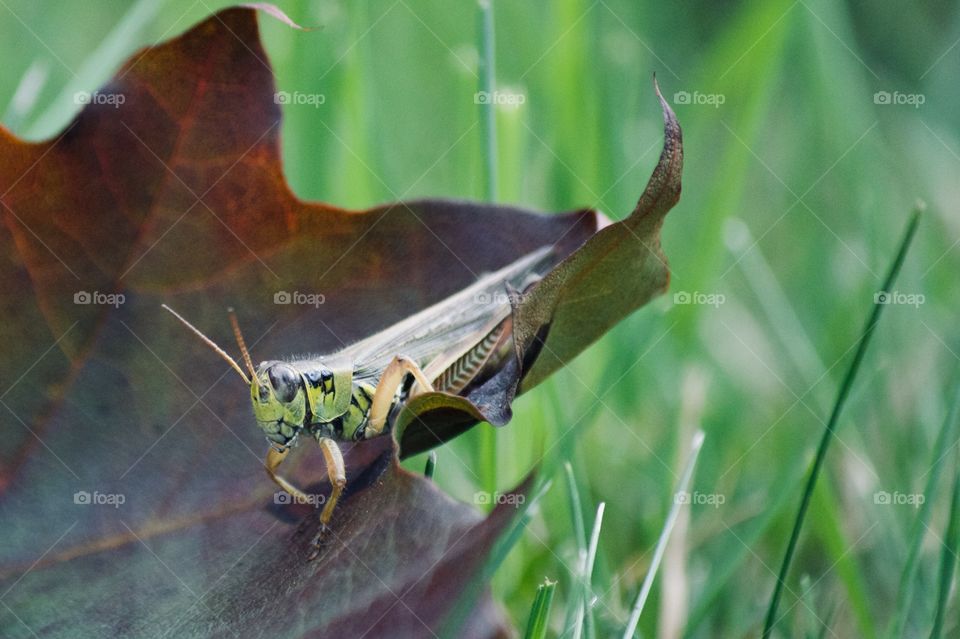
[{"x": 279, "y": 402}]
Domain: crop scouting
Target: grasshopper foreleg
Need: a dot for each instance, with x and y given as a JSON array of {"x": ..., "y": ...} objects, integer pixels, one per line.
[
  {"x": 337, "y": 474},
  {"x": 274, "y": 459}
]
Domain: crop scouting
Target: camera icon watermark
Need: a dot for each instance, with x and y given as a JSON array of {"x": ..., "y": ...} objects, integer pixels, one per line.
[
  {"x": 297, "y": 298},
  {"x": 84, "y": 98},
  {"x": 502, "y": 98},
  {"x": 701, "y": 499},
  {"x": 316, "y": 100},
  {"x": 896, "y": 98},
  {"x": 896, "y": 498},
  {"x": 683, "y": 298},
  {"x": 698, "y": 98},
  {"x": 491, "y": 298},
  {"x": 899, "y": 298},
  {"x": 96, "y": 498},
  {"x": 483, "y": 497},
  {"x": 86, "y": 298},
  {"x": 283, "y": 498}
]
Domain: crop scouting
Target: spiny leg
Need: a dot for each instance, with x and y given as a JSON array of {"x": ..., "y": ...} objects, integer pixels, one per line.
[
  {"x": 391, "y": 379},
  {"x": 338, "y": 479},
  {"x": 274, "y": 459}
]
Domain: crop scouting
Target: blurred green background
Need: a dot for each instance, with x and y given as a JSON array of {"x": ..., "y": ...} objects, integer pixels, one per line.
[{"x": 810, "y": 128}]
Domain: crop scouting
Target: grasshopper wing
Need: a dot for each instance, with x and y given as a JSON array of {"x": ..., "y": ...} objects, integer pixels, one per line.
[{"x": 443, "y": 332}]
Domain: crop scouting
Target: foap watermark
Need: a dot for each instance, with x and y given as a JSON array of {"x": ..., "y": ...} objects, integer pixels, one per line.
[
  {"x": 96, "y": 498},
  {"x": 896, "y": 98},
  {"x": 701, "y": 499},
  {"x": 115, "y": 100},
  {"x": 508, "y": 98},
  {"x": 698, "y": 298},
  {"x": 97, "y": 298},
  {"x": 284, "y": 498},
  {"x": 896, "y": 498},
  {"x": 298, "y": 298},
  {"x": 315, "y": 100},
  {"x": 482, "y": 497},
  {"x": 899, "y": 298},
  {"x": 698, "y": 98},
  {"x": 492, "y": 298}
]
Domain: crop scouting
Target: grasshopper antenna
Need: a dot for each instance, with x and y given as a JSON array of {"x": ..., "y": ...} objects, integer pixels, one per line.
[
  {"x": 209, "y": 342},
  {"x": 242, "y": 344}
]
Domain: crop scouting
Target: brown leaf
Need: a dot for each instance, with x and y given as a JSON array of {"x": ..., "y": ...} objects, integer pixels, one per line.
[{"x": 169, "y": 188}]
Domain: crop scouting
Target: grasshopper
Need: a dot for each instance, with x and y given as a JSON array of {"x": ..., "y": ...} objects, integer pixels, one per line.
[{"x": 355, "y": 393}]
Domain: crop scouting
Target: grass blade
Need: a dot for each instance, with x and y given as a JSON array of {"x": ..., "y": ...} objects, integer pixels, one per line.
[
  {"x": 540, "y": 611},
  {"x": 682, "y": 487},
  {"x": 487, "y": 72},
  {"x": 26, "y": 94},
  {"x": 487, "y": 449},
  {"x": 575, "y": 509},
  {"x": 948, "y": 558},
  {"x": 907, "y": 577},
  {"x": 431, "y": 466},
  {"x": 845, "y": 387},
  {"x": 580, "y": 533},
  {"x": 584, "y": 612}
]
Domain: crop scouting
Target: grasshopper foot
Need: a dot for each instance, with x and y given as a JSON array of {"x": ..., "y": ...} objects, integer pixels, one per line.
[{"x": 319, "y": 541}]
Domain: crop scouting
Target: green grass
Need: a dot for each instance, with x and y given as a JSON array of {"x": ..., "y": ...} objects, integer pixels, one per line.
[
  {"x": 829, "y": 433},
  {"x": 948, "y": 560},
  {"x": 539, "y": 622},
  {"x": 920, "y": 526},
  {"x": 820, "y": 176}
]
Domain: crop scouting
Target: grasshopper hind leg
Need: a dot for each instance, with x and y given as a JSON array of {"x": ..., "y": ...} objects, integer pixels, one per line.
[{"x": 392, "y": 378}]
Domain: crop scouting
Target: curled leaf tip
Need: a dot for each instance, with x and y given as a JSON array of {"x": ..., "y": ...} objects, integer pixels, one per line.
[{"x": 275, "y": 12}]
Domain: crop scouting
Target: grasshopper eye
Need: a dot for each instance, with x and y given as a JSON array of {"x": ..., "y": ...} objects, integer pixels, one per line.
[{"x": 285, "y": 382}]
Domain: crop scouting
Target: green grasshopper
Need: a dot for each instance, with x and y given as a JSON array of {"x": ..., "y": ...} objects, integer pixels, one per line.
[{"x": 353, "y": 394}]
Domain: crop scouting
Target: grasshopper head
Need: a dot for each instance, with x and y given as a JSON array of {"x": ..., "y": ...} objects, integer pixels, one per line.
[
  {"x": 276, "y": 389},
  {"x": 279, "y": 401}
]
